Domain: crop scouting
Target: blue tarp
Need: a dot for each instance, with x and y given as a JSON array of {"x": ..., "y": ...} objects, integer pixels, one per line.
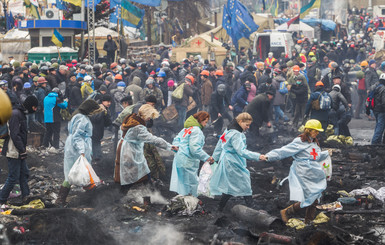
[{"x": 326, "y": 25}]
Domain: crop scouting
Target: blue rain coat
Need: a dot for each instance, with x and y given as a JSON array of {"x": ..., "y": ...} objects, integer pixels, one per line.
[
  {"x": 78, "y": 141},
  {"x": 231, "y": 176},
  {"x": 184, "y": 176},
  {"x": 133, "y": 164},
  {"x": 307, "y": 180}
]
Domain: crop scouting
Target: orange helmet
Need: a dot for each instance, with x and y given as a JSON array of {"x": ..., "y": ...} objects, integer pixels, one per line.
[
  {"x": 260, "y": 65},
  {"x": 364, "y": 63},
  {"x": 205, "y": 73},
  {"x": 319, "y": 83},
  {"x": 296, "y": 68},
  {"x": 118, "y": 76},
  {"x": 299, "y": 41},
  {"x": 191, "y": 78},
  {"x": 219, "y": 73}
]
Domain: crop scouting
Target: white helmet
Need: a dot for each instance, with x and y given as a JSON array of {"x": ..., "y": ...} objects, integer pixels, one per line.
[
  {"x": 382, "y": 76},
  {"x": 87, "y": 78}
]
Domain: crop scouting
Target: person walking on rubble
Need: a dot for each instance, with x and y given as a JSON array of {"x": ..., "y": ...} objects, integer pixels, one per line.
[
  {"x": 131, "y": 165},
  {"x": 232, "y": 178},
  {"x": 78, "y": 142},
  {"x": 190, "y": 140},
  {"x": 307, "y": 179}
]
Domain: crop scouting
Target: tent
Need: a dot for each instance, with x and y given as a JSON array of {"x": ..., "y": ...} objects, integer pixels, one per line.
[
  {"x": 307, "y": 30},
  {"x": 15, "y": 43}
]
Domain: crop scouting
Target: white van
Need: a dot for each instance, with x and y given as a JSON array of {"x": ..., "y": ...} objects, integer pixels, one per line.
[{"x": 273, "y": 41}]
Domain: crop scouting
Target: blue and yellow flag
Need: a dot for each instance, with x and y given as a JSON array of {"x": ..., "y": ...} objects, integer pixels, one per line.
[
  {"x": 57, "y": 38},
  {"x": 305, "y": 10},
  {"x": 132, "y": 14},
  {"x": 33, "y": 9}
]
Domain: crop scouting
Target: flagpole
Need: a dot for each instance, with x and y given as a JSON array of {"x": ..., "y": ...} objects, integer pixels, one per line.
[{"x": 58, "y": 51}]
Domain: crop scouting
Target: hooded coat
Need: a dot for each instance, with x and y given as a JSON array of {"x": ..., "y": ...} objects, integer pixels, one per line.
[
  {"x": 231, "y": 176},
  {"x": 135, "y": 88},
  {"x": 190, "y": 140},
  {"x": 52, "y": 106}
]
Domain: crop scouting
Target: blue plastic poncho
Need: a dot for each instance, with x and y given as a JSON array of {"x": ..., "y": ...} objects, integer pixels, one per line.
[
  {"x": 184, "y": 176},
  {"x": 78, "y": 141},
  {"x": 307, "y": 180},
  {"x": 133, "y": 164},
  {"x": 231, "y": 176}
]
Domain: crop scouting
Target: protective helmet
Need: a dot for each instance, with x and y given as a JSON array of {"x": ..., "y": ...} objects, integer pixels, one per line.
[
  {"x": 87, "y": 78},
  {"x": 3, "y": 82},
  {"x": 352, "y": 62},
  {"x": 382, "y": 76},
  {"x": 319, "y": 83},
  {"x": 118, "y": 76},
  {"x": 360, "y": 74},
  {"x": 6, "y": 107},
  {"x": 219, "y": 73},
  {"x": 191, "y": 78},
  {"x": 56, "y": 90},
  {"x": 364, "y": 63},
  {"x": 221, "y": 89},
  {"x": 314, "y": 124},
  {"x": 121, "y": 84},
  {"x": 205, "y": 73},
  {"x": 44, "y": 68},
  {"x": 122, "y": 61},
  {"x": 296, "y": 68},
  {"x": 162, "y": 74},
  {"x": 311, "y": 54},
  {"x": 337, "y": 88},
  {"x": 27, "y": 85},
  {"x": 383, "y": 65},
  {"x": 260, "y": 65}
]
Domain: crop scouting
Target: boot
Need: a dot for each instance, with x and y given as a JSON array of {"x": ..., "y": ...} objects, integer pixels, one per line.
[
  {"x": 310, "y": 213},
  {"x": 223, "y": 202},
  {"x": 248, "y": 201},
  {"x": 63, "y": 193},
  {"x": 292, "y": 209}
]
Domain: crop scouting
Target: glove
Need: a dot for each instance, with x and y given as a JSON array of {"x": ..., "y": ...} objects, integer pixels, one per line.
[{"x": 23, "y": 155}]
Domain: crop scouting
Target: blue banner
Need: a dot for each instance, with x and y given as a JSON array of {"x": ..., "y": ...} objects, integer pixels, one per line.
[{"x": 10, "y": 21}]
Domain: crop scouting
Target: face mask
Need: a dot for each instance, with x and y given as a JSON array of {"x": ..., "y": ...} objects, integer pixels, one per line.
[{"x": 299, "y": 82}]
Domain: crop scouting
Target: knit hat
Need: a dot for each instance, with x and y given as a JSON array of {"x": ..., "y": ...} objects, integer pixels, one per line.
[
  {"x": 88, "y": 106},
  {"x": 151, "y": 99},
  {"x": 30, "y": 102},
  {"x": 150, "y": 81},
  {"x": 110, "y": 79},
  {"x": 106, "y": 97},
  {"x": 371, "y": 62},
  {"x": 103, "y": 88},
  {"x": 35, "y": 71},
  {"x": 98, "y": 73}
]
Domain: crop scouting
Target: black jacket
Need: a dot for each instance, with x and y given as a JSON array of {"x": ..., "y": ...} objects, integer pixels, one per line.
[
  {"x": 218, "y": 103},
  {"x": 110, "y": 46},
  {"x": 75, "y": 96},
  {"x": 258, "y": 108},
  {"x": 379, "y": 97},
  {"x": 300, "y": 91},
  {"x": 99, "y": 121},
  {"x": 17, "y": 126},
  {"x": 371, "y": 77}
]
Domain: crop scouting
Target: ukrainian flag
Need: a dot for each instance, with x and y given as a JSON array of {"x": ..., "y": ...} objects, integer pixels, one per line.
[
  {"x": 33, "y": 10},
  {"x": 57, "y": 38},
  {"x": 305, "y": 10},
  {"x": 131, "y": 13}
]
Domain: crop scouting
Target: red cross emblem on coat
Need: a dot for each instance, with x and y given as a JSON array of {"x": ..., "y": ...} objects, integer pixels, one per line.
[
  {"x": 223, "y": 138},
  {"x": 314, "y": 154},
  {"x": 187, "y": 131}
]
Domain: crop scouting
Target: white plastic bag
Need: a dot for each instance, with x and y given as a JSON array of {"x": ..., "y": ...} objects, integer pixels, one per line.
[
  {"x": 204, "y": 179},
  {"x": 82, "y": 173},
  {"x": 327, "y": 167}
]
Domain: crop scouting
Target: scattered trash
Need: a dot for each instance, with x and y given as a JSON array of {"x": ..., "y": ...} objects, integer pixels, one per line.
[
  {"x": 138, "y": 209},
  {"x": 347, "y": 200},
  {"x": 334, "y": 206},
  {"x": 274, "y": 238},
  {"x": 146, "y": 200},
  {"x": 184, "y": 205},
  {"x": 35, "y": 204},
  {"x": 378, "y": 194},
  {"x": 321, "y": 218},
  {"x": 296, "y": 223},
  {"x": 344, "y": 193},
  {"x": 205, "y": 174},
  {"x": 19, "y": 229},
  {"x": 257, "y": 218}
]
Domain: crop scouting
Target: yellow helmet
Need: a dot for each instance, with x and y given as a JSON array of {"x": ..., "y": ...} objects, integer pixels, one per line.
[
  {"x": 6, "y": 107},
  {"x": 314, "y": 124},
  {"x": 311, "y": 54}
]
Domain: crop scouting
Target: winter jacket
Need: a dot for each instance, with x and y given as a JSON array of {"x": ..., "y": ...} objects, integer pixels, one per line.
[
  {"x": 118, "y": 95},
  {"x": 279, "y": 99},
  {"x": 321, "y": 115},
  {"x": 135, "y": 88},
  {"x": 138, "y": 73},
  {"x": 16, "y": 143},
  {"x": 206, "y": 91},
  {"x": 337, "y": 98},
  {"x": 75, "y": 97},
  {"x": 371, "y": 77},
  {"x": 99, "y": 121},
  {"x": 239, "y": 100},
  {"x": 51, "y": 79},
  {"x": 40, "y": 95},
  {"x": 86, "y": 90},
  {"x": 300, "y": 91},
  {"x": 190, "y": 140},
  {"x": 247, "y": 75},
  {"x": 110, "y": 46},
  {"x": 218, "y": 104},
  {"x": 52, "y": 106},
  {"x": 97, "y": 83},
  {"x": 379, "y": 97},
  {"x": 258, "y": 108}
]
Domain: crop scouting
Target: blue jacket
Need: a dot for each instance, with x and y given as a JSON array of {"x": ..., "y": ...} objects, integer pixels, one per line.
[
  {"x": 52, "y": 108},
  {"x": 239, "y": 100},
  {"x": 81, "y": 75}
]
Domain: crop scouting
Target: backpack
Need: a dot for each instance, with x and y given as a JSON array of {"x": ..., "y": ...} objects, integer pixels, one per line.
[
  {"x": 325, "y": 102},
  {"x": 283, "y": 88},
  {"x": 369, "y": 104},
  {"x": 177, "y": 94}
]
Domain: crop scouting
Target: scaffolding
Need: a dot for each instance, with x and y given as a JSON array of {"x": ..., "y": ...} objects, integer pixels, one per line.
[{"x": 91, "y": 31}]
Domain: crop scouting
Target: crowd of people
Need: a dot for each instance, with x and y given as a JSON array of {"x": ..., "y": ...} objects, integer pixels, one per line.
[{"x": 315, "y": 86}]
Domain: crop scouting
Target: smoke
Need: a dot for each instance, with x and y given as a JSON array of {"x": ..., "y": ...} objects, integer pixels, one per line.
[
  {"x": 137, "y": 195},
  {"x": 162, "y": 234}
]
